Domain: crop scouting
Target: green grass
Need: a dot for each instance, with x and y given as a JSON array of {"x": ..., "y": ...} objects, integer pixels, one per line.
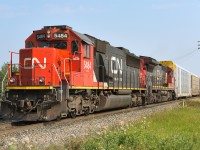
[{"x": 176, "y": 129}]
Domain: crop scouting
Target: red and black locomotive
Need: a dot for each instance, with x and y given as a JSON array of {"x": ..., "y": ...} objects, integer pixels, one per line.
[{"x": 65, "y": 73}]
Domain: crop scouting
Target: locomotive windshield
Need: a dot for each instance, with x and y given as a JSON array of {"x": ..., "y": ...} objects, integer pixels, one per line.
[
  {"x": 60, "y": 45},
  {"x": 43, "y": 44},
  {"x": 55, "y": 44}
]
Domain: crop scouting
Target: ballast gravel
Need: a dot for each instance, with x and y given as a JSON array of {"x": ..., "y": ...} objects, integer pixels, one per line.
[{"x": 58, "y": 135}]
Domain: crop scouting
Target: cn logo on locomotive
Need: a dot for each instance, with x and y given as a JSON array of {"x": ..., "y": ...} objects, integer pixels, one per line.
[
  {"x": 34, "y": 59},
  {"x": 87, "y": 65},
  {"x": 116, "y": 65}
]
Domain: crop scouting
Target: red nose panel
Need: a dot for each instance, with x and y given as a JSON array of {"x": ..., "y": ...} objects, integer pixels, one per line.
[{"x": 36, "y": 66}]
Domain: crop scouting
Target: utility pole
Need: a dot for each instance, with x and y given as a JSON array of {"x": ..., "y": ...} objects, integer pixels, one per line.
[{"x": 198, "y": 44}]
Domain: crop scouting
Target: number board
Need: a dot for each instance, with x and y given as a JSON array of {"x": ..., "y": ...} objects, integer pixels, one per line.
[
  {"x": 41, "y": 36},
  {"x": 60, "y": 35}
]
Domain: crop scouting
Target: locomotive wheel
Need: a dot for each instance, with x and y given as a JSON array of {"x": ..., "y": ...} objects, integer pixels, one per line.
[
  {"x": 131, "y": 105},
  {"x": 86, "y": 112},
  {"x": 10, "y": 115},
  {"x": 58, "y": 118},
  {"x": 143, "y": 102},
  {"x": 73, "y": 114}
]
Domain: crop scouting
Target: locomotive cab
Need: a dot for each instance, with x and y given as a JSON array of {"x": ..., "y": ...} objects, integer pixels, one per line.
[{"x": 57, "y": 53}]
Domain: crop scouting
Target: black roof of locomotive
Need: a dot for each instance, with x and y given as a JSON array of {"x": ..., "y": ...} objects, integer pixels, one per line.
[
  {"x": 150, "y": 59},
  {"x": 84, "y": 38}
]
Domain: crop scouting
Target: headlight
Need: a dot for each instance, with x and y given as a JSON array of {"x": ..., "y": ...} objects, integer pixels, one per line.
[
  {"x": 48, "y": 31},
  {"x": 48, "y": 36},
  {"x": 41, "y": 79}
]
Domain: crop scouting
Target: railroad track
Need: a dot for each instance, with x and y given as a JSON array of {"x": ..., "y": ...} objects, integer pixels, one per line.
[{"x": 7, "y": 128}]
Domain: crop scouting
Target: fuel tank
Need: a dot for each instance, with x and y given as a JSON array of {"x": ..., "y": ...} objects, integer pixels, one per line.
[{"x": 113, "y": 101}]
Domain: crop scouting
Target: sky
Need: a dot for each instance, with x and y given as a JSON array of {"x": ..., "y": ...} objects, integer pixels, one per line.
[{"x": 162, "y": 29}]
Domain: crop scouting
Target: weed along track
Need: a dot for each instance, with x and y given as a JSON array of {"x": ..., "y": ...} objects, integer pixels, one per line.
[{"x": 59, "y": 131}]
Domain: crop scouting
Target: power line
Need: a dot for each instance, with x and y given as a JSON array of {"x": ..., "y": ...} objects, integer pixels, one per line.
[
  {"x": 185, "y": 55},
  {"x": 198, "y": 44}
]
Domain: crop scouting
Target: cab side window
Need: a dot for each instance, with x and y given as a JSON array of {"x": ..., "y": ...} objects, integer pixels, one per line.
[
  {"x": 74, "y": 46},
  {"x": 30, "y": 44},
  {"x": 86, "y": 51}
]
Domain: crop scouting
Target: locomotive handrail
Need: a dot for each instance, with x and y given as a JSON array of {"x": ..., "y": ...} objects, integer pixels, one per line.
[
  {"x": 60, "y": 81},
  {"x": 67, "y": 92},
  {"x": 11, "y": 54},
  {"x": 75, "y": 53},
  {"x": 65, "y": 70},
  {"x": 10, "y": 73},
  {"x": 2, "y": 90}
]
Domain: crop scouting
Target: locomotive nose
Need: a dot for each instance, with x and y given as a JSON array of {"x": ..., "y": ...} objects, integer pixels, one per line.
[{"x": 36, "y": 66}]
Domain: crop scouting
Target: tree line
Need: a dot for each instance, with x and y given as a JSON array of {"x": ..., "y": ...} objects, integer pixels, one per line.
[{"x": 3, "y": 71}]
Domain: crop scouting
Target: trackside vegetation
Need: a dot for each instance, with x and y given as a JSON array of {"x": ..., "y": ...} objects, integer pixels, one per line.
[
  {"x": 176, "y": 129},
  {"x": 3, "y": 70}
]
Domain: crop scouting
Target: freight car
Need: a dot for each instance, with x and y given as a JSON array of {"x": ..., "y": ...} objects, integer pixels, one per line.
[
  {"x": 186, "y": 83},
  {"x": 195, "y": 86},
  {"x": 63, "y": 73}
]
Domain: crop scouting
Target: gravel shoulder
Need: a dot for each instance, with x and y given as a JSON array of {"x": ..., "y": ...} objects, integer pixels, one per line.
[{"x": 58, "y": 135}]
